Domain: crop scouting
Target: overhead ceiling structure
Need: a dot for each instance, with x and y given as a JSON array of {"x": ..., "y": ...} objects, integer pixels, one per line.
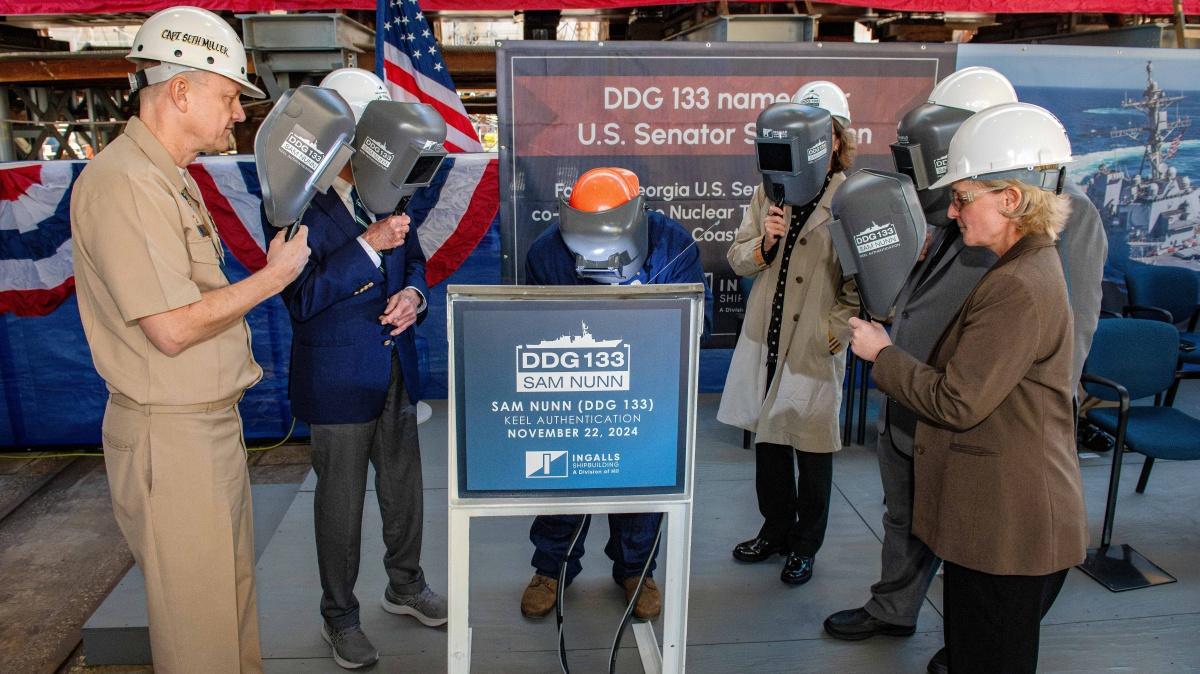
[
  {"x": 110, "y": 7},
  {"x": 55, "y": 82}
]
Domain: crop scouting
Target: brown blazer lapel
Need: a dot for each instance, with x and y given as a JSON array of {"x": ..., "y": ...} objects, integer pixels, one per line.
[{"x": 1024, "y": 245}]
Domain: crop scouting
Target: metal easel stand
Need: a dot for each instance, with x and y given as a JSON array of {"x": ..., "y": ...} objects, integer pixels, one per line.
[{"x": 671, "y": 658}]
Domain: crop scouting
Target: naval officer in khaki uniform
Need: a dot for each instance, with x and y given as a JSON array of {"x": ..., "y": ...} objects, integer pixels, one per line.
[{"x": 167, "y": 334}]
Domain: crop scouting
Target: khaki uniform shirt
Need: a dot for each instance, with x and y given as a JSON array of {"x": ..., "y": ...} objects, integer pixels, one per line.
[{"x": 143, "y": 244}]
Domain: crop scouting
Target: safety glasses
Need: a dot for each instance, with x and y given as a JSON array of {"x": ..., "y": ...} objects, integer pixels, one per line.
[{"x": 960, "y": 199}]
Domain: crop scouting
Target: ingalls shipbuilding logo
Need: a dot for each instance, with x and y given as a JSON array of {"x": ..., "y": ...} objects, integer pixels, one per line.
[
  {"x": 876, "y": 238},
  {"x": 546, "y": 463},
  {"x": 573, "y": 363}
]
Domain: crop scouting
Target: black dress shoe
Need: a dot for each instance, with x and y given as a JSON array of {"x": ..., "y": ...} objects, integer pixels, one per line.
[
  {"x": 856, "y": 624},
  {"x": 797, "y": 570},
  {"x": 938, "y": 664},
  {"x": 756, "y": 550}
]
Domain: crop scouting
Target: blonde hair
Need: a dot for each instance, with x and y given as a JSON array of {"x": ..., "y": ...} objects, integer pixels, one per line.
[
  {"x": 1039, "y": 212},
  {"x": 843, "y": 157}
]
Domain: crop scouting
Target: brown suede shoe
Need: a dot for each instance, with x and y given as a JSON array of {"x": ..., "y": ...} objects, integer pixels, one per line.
[
  {"x": 649, "y": 603},
  {"x": 539, "y": 597}
]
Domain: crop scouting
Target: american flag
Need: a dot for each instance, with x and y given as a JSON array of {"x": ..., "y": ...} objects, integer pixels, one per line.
[{"x": 409, "y": 59}]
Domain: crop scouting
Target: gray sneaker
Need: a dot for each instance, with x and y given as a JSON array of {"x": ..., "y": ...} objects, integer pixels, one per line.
[
  {"x": 426, "y": 606},
  {"x": 351, "y": 648}
]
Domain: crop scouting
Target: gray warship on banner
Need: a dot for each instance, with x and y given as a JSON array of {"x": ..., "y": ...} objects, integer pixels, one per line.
[{"x": 1156, "y": 209}]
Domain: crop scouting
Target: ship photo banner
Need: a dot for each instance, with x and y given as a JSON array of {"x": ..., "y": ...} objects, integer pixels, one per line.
[
  {"x": 681, "y": 116},
  {"x": 1133, "y": 116}
]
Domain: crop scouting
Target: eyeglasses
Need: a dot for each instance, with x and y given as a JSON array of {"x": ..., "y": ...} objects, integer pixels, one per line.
[{"x": 960, "y": 199}]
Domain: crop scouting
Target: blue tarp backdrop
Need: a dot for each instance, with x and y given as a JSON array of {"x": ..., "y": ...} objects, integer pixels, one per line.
[{"x": 53, "y": 397}]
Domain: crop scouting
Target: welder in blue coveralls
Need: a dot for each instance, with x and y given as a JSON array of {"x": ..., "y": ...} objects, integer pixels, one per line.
[{"x": 639, "y": 246}]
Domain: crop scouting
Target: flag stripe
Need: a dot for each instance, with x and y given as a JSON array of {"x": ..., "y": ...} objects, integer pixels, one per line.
[
  {"x": 471, "y": 228},
  {"x": 432, "y": 88},
  {"x": 460, "y": 181},
  {"x": 16, "y": 181},
  {"x": 37, "y": 273},
  {"x": 36, "y": 302},
  {"x": 408, "y": 57},
  {"x": 398, "y": 76},
  {"x": 233, "y": 231}
]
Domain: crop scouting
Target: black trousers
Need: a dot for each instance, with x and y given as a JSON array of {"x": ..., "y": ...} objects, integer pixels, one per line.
[
  {"x": 993, "y": 622},
  {"x": 793, "y": 495}
]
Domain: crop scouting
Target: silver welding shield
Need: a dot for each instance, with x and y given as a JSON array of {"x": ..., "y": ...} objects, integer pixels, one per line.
[
  {"x": 301, "y": 146},
  {"x": 877, "y": 231},
  {"x": 609, "y": 246},
  {"x": 398, "y": 149},
  {"x": 794, "y": 144},
  {"x": 922, "y": 147}
]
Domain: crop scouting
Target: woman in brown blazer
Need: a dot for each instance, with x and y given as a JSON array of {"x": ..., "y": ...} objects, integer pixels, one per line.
[{"x": 998, "y": 494}]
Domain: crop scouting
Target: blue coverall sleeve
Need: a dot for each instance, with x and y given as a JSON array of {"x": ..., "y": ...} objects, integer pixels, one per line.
[{"x": 686, "y": 268}]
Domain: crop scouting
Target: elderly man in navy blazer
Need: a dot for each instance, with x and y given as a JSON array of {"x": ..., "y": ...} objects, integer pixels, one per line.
[{"x": 354, "y": 379}]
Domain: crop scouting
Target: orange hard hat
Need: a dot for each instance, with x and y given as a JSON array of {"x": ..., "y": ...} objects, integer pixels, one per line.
[{"x": 603, "y": 189}]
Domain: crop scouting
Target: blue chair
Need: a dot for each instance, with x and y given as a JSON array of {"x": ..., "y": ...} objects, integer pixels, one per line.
[
  {"x": 1132, "y": 359},
  {"x": 1171, "y": 295}
]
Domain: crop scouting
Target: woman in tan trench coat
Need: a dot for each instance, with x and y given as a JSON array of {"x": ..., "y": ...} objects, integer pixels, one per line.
[
  {"x": 997, "y": 495},
  {"x": 792, "y": 405}
]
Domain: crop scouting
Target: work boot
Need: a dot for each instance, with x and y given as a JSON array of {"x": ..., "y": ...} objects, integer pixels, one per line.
[
  {"x": 539, "y": 597},
  {"x": 649, "y": 603}
]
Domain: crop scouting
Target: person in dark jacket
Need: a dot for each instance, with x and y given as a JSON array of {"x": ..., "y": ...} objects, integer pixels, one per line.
[
  {"x": 354, "y": 380},
  {"x": 656, "y": 250}
]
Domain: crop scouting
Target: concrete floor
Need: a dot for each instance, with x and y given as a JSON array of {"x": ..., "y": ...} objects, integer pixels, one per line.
[{"x": 741, "y": 618}]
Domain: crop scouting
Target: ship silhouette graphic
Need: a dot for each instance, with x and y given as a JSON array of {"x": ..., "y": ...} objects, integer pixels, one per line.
[{"x": 583, "y": 340}]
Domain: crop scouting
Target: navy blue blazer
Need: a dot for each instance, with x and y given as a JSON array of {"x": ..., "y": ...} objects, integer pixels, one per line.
[{"x": 341, "y": 355}]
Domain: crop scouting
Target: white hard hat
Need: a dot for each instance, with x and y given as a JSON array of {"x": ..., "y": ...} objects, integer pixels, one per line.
[
  {"x": 1014, "y": 140},
  {"x": 826, "y": 95},
  {"x": 975, "y": 88},
  {"x": 359, "y": 87},
  {"x": 189, "y": 38}
]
